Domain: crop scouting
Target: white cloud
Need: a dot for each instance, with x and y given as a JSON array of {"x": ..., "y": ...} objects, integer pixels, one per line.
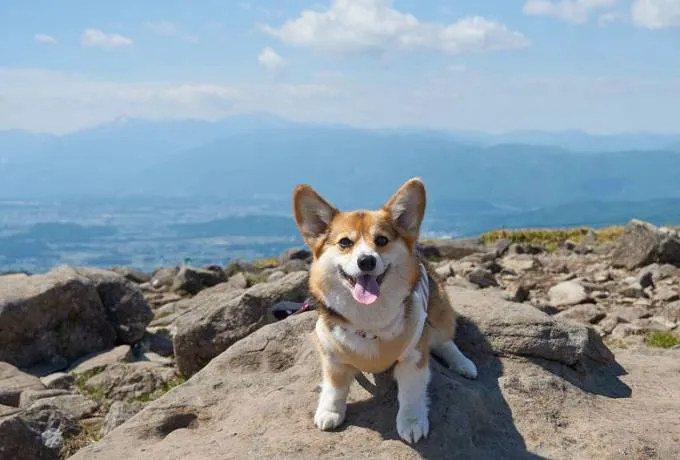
[
  {"x": 574, "y": 11},
  {"x": 44, "y": 39},
  {"x": 656, "y": 14},
  {"x": 375, "y": 27},
  {"x": 50, "y": 101},
  {"x": 270, "y": 60},
  {"x": 95, "y": 37},
  {"x": 58, "y": 102}
]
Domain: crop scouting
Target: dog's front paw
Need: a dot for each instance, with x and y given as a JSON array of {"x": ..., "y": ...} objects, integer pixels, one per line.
[
  {"x": 412, "y": 427},
  {"x": 466, "y": 368},
  {"x": 326, "y": 420}
]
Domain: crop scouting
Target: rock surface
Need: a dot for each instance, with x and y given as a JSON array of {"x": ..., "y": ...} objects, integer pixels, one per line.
[
  {"x": 56, "y": 314},
  {"x": 218, "y": 317},
  {"x": 257, "y": 400},
  {"x": 13, "y": 382},
  {"x": 125, "y": 305}
]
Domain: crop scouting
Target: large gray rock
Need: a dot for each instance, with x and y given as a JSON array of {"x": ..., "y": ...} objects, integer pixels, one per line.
[
  {"x": 56, "y": 314},
  {"x": 35, "y": 434},
  {"x": 507, "y": 328},
  {"x": 218, "y": 317},
  {"x": 126, "y": 308},
  {"x": 13, "y": 382},
  {"x": 257, "y": 400},
  {"x": 642, "y": 244}
]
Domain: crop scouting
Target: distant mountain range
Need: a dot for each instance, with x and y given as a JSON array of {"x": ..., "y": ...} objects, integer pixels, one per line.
[{"x": 256, "y": 157}]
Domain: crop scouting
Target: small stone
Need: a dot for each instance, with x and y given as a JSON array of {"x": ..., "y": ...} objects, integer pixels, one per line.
[
  {"x": 99, "y": 361},
  {"x": 483, "y": 278},
  {"x": 275, "y": 276},
  {"x": 13, "y": 382},
  {"x": 28, "y": 397},
  {"x": 587, "y": 314},
  {"x": 238, "y": 281},
  {"x": 645, "y": 279},
  {"x": 634, "y": 291},
  {"x": 630, "y": 314},
  {"x": 58, "y": 381},
  {"x": 666, "y": 295},
  {"x": 672, "y": 312},
  {"x": 568, "y": 293},
  {"x": 521, "y": 263},
  {"x": 73, "y": 405},
  {"x": 119, "y": 413},
  {"x": 609, "y": 323}
]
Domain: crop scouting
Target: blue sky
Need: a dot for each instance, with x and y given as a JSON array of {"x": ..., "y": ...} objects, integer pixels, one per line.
[{"x": 491, "y": 65}]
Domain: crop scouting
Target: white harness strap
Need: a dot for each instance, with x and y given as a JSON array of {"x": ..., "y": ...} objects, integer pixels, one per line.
[{"x": 421, "y": 296}]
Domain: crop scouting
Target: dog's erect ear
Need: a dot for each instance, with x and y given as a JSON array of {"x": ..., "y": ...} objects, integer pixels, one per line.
[
  {"x": 313, "y": 214},
  {"x": 407, "y": 207}
]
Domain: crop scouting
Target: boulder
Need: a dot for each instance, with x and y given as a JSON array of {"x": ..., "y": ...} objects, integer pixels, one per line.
[
  {"x": 497, "y": 326},
  {"x": 13, "y": 382},
  {"x": 125, "y": 305},
  {"x": 37, "y": 433},
  {"x": 57, "y": 314},
  {"x": 642, "y": 244},
  {"x": 257, "y": 400},
  {"x": 217, "y": 319}
]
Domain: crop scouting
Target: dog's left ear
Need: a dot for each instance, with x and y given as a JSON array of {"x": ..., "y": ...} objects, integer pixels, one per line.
[{"x": 407, "y": 207}]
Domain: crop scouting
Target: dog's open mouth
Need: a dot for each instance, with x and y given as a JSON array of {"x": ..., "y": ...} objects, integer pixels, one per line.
[{"x": 365, "y": 288}]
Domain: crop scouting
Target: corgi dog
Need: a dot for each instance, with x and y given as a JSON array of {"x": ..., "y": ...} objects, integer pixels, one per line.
[{"x": 381, "y": 305}]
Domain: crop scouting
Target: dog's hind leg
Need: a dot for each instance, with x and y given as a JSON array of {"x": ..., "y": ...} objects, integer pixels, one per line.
[{"x": 448, "y": 351}]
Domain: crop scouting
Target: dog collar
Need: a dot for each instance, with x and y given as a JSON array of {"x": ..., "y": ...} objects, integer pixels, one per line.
[
  {"x": 421, "y": 295},
  {"x": 359, "y": 332}
]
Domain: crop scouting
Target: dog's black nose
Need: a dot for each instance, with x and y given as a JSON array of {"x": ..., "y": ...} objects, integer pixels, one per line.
[{"x": 366, "y": 263}]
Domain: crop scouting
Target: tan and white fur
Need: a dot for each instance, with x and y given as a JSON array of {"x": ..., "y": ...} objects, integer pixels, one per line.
[{"x": 381, "y": 305}]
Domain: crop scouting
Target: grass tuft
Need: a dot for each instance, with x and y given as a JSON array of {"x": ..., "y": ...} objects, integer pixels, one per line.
[
  {"x": 551, "y": 238},
  {"x": 148, "y": 397},
  {"x": 87, "y": 435},
  {"x": 662, "y": 339}
]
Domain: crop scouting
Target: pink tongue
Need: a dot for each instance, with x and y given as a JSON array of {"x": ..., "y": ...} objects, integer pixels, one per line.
[{"x": 366, "y": 290}]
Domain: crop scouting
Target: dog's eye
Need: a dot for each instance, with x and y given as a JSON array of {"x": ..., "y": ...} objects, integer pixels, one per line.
[
  {"x": 381, "y": 240},
  {"x": 345, "y": 242}
]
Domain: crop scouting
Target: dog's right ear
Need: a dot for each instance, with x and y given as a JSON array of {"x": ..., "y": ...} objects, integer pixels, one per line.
[{"x": 313, "y": 214}]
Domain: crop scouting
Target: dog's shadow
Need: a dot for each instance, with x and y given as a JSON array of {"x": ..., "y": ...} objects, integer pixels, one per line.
[{"x": 468, "y": 418}]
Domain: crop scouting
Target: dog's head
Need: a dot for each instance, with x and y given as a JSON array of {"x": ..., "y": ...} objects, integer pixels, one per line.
[{"x": 362, "y": 258}]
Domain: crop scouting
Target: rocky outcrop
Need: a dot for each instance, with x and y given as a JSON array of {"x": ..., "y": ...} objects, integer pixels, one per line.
[
  {"x": 257, "y": 399},
  {"x": 218, "y": 317},
  {"x": 58, "y": 314},
  {"x": 125, "y": 305},
  {"x": 643, "y": 243}
]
